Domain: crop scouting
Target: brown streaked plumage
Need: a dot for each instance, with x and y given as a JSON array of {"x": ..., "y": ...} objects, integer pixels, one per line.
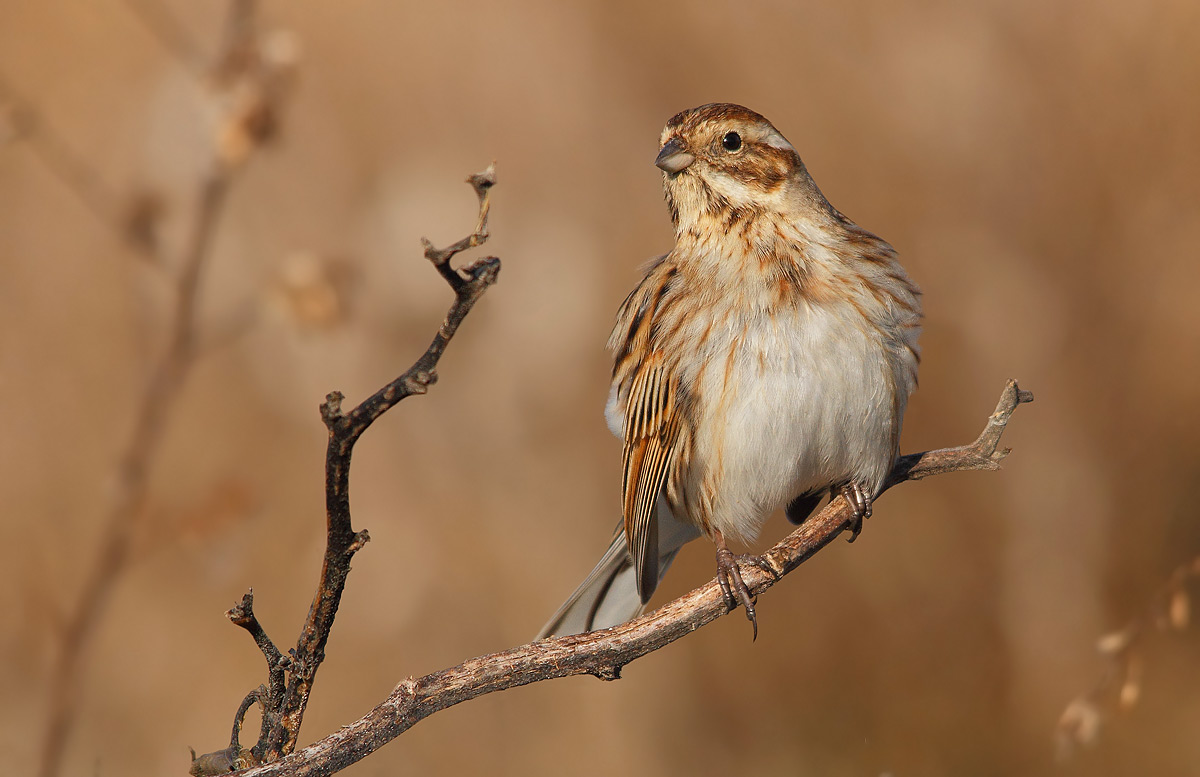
[{"x": 765, "y": 361}]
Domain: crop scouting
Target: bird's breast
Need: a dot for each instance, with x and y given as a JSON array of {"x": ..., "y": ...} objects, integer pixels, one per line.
[{"x": 783, "y": 402}]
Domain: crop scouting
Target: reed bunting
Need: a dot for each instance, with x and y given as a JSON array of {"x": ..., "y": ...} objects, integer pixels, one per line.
[{"x": 764, "y": 362}]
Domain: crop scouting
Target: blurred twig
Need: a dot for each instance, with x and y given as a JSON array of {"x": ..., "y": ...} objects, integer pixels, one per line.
[
  {"x": 604, "y": 653},
  {"x": 1120, "y": 686},
  {"x": 130, "y": 490},
  {"x": 173, "y": 35},
  {"x": 29, "y": 126},
  {"x": 284, "y": 707},
  {"x": 126, "y": 506}
]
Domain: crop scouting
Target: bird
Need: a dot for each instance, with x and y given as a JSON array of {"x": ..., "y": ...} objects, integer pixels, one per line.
[{"x": 765, "y": 362}]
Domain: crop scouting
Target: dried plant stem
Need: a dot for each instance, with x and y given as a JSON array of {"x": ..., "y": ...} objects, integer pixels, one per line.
[
  {"x": 604, "y": 653},
  {"x": 130, "y": 489},
  {"x": 167, "y": 375},
  {"x": 173, "y": 35},
  {"x": 285, "y": 704},
  {"x": 59, "y": 157},
  {"x": 1120, "y": 686}
]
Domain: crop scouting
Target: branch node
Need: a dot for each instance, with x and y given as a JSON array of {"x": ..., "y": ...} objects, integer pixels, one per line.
[
  {"x": 404, "y": 690},
  {"x": 419, "y": 382},
  {"x": 243, "y": 612},
  {"x": 218, "y": 762},
  {"x": 331, "y": 409},
  {"x": 360, "y": 538},
  {"x": 482, "y": 184},
  {"x": 608, "y": 673},
  {"x": 483, "y": 181},
  {"x": 482, "y": 271}
]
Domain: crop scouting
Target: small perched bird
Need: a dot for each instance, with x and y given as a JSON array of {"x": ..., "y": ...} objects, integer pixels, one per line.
[{"x": 765, "y": 362}]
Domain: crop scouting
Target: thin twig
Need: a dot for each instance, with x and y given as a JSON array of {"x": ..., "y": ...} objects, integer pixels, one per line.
[
  {"x": 173, "y": 35},
  {"x": 60, "y": 158},
  {"x": 604, "y": 653},
  {"x": 232, "y": 757},
  {"x": 130, "y": 492},
  {"x": 129, "y": 495},
  {"x": 242, "y": 614},
  {"x": 285, "y": 711}
]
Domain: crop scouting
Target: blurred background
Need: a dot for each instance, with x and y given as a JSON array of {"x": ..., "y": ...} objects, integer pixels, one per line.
[{"x": 1036, "y": 165}]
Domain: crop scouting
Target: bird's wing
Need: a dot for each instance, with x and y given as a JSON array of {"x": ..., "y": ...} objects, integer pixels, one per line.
[
  {"x": 651, "y": 431},
  {"x": 645, "y": 402}
]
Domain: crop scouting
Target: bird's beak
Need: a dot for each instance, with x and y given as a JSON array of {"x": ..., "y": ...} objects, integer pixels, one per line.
[{"x": 672, "y": 158}]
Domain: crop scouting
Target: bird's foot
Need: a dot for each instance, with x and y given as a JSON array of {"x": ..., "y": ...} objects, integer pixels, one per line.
[
  {"x": 734, "y": 589},
  {"x": 859, "y": 500}
]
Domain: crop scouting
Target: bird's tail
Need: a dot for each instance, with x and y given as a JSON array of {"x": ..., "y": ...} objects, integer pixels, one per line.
[{"x": 609, "y": 595}]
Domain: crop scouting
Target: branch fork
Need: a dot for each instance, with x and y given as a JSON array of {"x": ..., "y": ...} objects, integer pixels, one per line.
[
  {"x": 604, "y": 653},
  {"x": 284, "y": 699}
]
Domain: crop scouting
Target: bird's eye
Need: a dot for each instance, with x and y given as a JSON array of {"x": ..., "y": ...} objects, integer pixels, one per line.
[{"x": 732, "y": 141}]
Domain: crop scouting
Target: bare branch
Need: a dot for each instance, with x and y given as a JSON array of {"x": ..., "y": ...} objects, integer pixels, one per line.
[
  {"x": 604, "y": 653},
  {"x": 285, "y": 710},
  {"x": 242, "y": 614},
  {"x": 130, "y": 495},
  {"x": 979, "y": 455},
  {"x": 234, "y": 756},
  {"x": 482, "y": 183}
]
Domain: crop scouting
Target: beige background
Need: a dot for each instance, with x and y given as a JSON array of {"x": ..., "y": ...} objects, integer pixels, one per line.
[{"x": 1036, "y": 165}]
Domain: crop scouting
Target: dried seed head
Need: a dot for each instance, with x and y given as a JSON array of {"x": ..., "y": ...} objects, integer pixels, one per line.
[
  {"x": 1131, "y": 687},
  {"x": 1079, "y": 725},
  {"x": 1131, "y": 691},
  {"x": 1179, "y": 609},
  {"x": 1114, "y": 643},
  {"x": 315, "y": 292}
]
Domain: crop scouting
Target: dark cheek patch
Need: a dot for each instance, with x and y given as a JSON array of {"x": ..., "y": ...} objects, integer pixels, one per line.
[{"x": 763, "y": 166}]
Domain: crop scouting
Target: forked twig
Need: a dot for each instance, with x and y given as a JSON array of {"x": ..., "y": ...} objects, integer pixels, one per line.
[
  {"x": 285, "y": 704},
  {"x": 604, "y": 653}
]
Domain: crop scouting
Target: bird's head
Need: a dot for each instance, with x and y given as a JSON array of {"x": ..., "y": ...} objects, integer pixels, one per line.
[{"x": 722, "y": 158}]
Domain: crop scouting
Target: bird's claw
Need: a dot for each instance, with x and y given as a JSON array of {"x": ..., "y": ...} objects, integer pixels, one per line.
[
  {"x": 859, "y": 500},
  {"x": 733, "y": 588}
]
